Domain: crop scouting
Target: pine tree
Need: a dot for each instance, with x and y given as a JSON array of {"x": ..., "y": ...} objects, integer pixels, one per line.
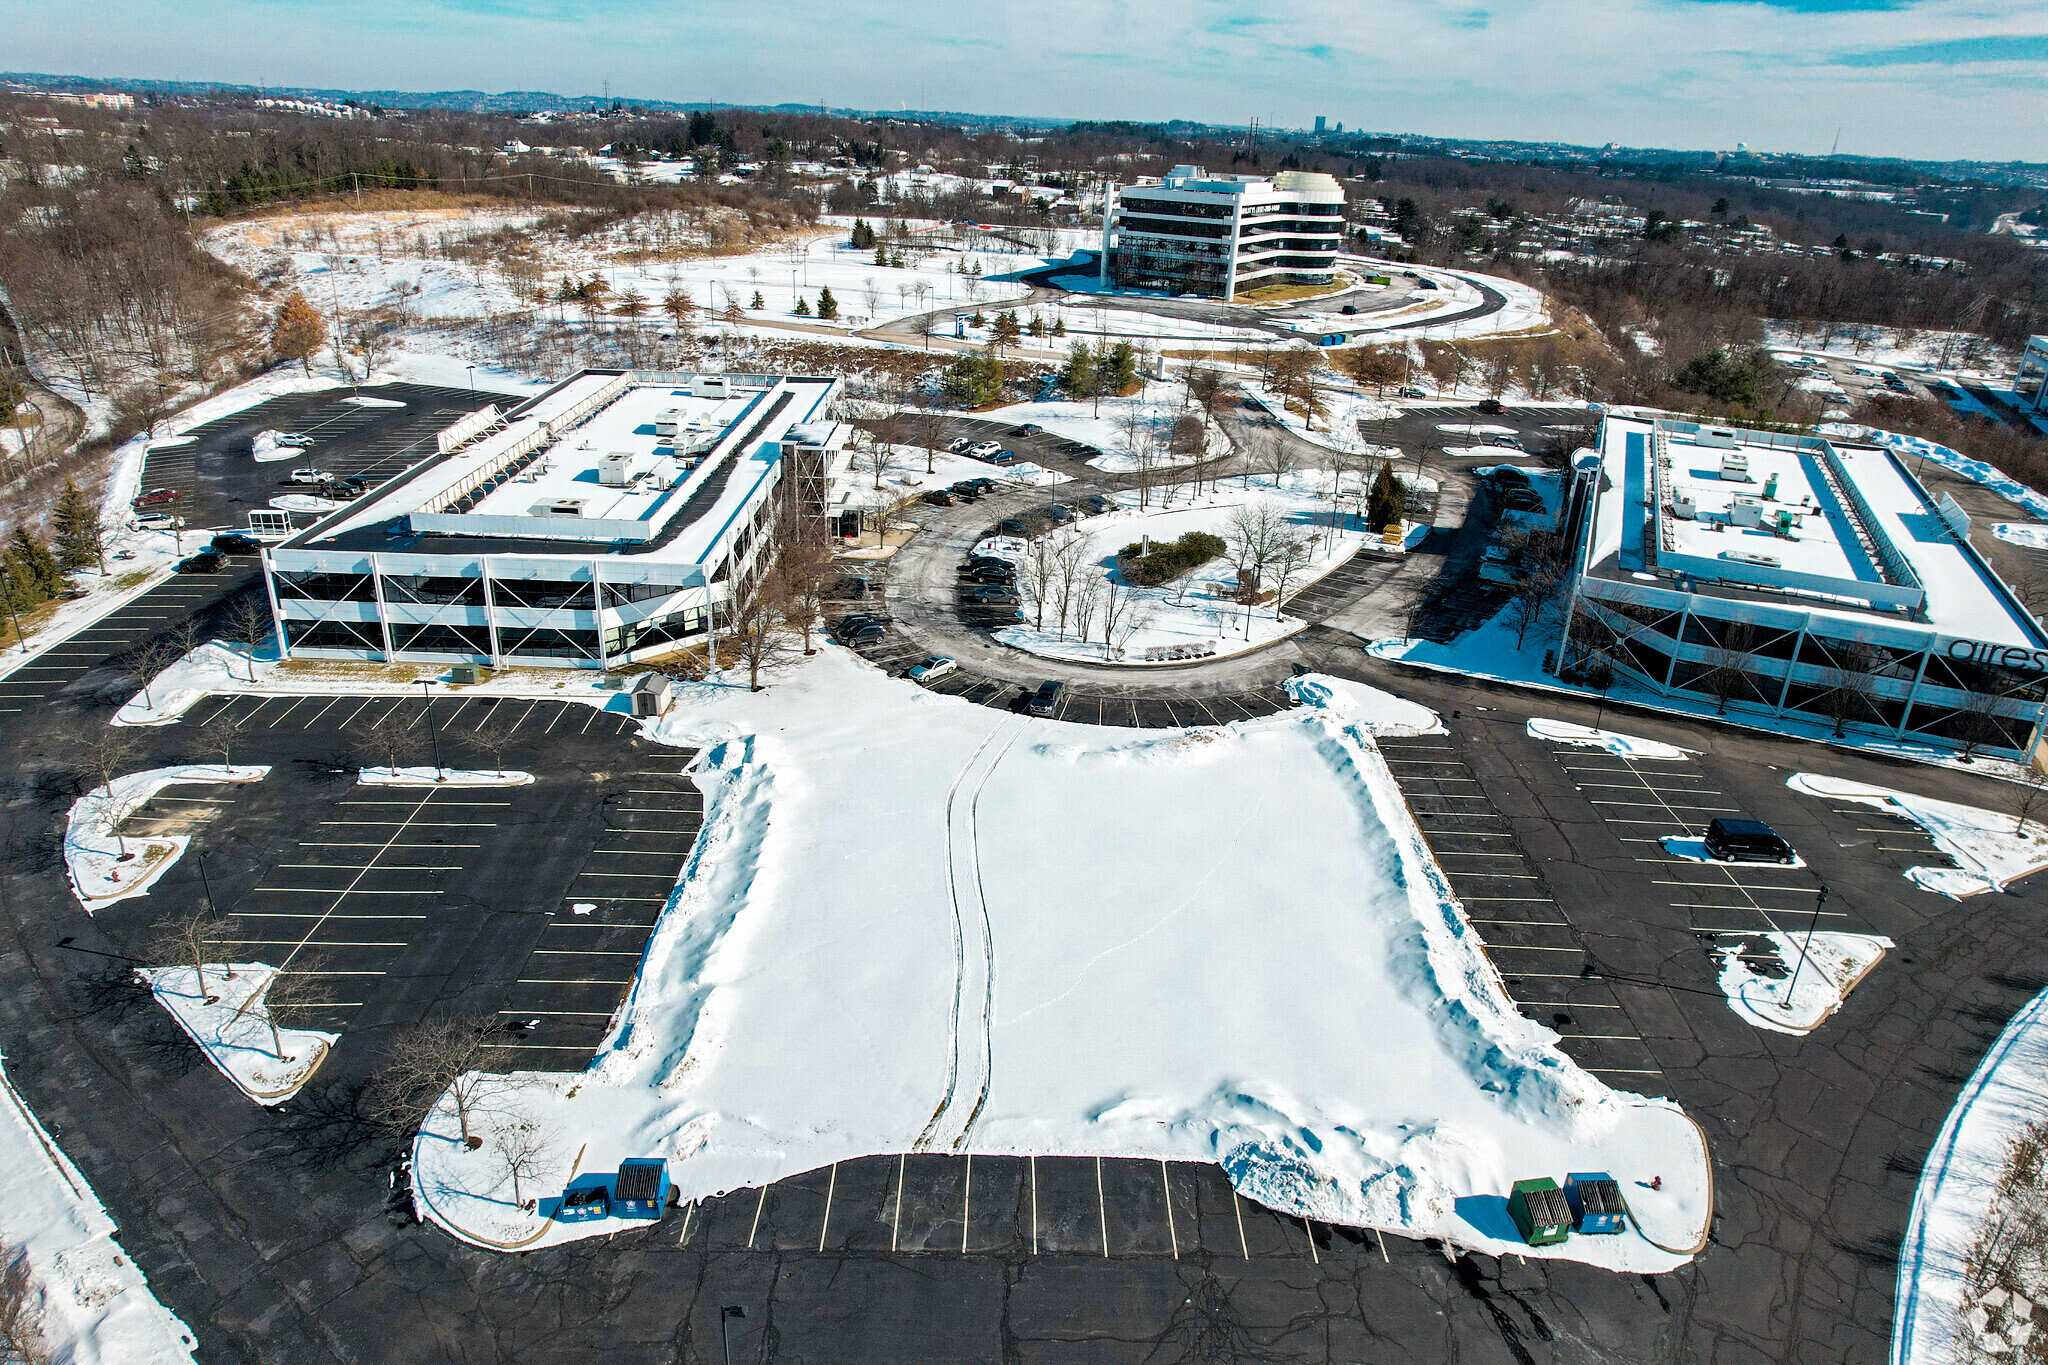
[
  {"x": 1059, "y": 327},
  {"x": 298, "y": 332},
  {"x": 757, "y": 305},
  {"x": 1119, "y": 368},
  {"x": 881, "y": 255},
  {"x": 828, "y": 307},
  {"x": 32, "y": 569},
  {"x": 803, "y": 309},
  {"x": 1386, "y": 500},
  {"x": 1077, "y": 376},
  {"x": 76, "y": 524}
]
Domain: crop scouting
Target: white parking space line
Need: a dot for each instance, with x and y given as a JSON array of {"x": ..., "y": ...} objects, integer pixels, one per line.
[{"x": 321, "y": 712}]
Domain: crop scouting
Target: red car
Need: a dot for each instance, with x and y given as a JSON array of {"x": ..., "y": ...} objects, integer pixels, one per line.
[{"x": 156, "y": 497}]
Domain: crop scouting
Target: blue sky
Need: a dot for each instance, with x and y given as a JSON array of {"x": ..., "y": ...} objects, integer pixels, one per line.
[{"x": 1930, "y": 78}]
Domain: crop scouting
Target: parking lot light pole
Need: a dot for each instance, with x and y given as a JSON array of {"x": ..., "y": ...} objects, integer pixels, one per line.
[
  {"x": 1806, "y": 949},
  {"x": 426, "y": 691},
  {"x": 19, "y": 638},
  {"x": 731, "y": 1310}
]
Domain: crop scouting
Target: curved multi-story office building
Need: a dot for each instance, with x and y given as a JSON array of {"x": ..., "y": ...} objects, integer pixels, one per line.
[{"x": 1193, "y": 233}]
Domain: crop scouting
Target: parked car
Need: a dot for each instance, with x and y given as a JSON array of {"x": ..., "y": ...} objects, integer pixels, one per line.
[
  {"x": 933, "y": 668},
  {"x": 235, "y": 543},
  {"x": 848, "y": 587},
  {"x": 1001, "y": 458},
  {"x": 990, "y": 574},
  {"x": 1507, "y": 442},
  {"x": 1522, "y": 500},
  {"x": 1028, "y": 428},
  {"x": 866, "y": 630},
  {"x": 1058, "y": 514},
  {"x": 1349, "y": 309},
  {"x": 981, "y": 450},
  {"x": 1000, "y": 593},
  {"x": 206, "y": 561},
  {"x": 1490, "y": 406},
  {"x": 958, "y": 444},
  {"x": 1046, "y": 699},
  {"x": 1507, "y": 476},
  {"x": 964, "y": 491},
  {"x": 1413, "y": 391},
  {"x": 1747, "y": 841},
  {"x": 937, "y": 497},
  {"x": 311, "y": 475},
  {"x": 155, "y": 497},
  {"x": 352, "y": 486},
  {"x": 859, "y": 619},
  {"x": 152, "y": 520},
  {"x": 297, "y": 440},
  {"x": 985, "y": 484},
  {"x": 1011, "y": 526},
  {"x": 973, "y": 562},
  {"x": 1097, "y": 504}
]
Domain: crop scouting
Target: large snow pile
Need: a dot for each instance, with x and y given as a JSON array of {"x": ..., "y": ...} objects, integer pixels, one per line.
[
  {"x": 1814, "y": 974},
  {"x": 91, "y": 1305},
  {"x": 1992, "y": 847},
  {"x": 1958, "y": 1189},
  {"x": 1227, "y": 944},
  {"x": 105, "y": 867},
  {"x": 443, "y": 777},
  {"x": 1379, "y": 712},
  {"x": 1195, "y": 616},
  {"x": 2032, "y": 535},
  {"x": 1955, "y": 462},
  {"x": 230, "y": 1021},
  {"x": 1585, "y": 736},
  {"x": 268, "y": 447}
]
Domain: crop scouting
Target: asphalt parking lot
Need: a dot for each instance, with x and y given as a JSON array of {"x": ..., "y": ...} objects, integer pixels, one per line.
[
  {"x": 531, "y": 903},
  {"x": 219, "y": 482},
  {"x": 177, "y": 599}
]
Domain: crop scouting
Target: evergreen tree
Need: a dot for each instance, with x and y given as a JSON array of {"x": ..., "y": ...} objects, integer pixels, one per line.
[
  {"x": 1059, "y": 327},
  {"x": 803, "y": 309},
  {"x": 76, "y": 525},
  {"x": 828, "y": 307},
  {"x": 32, "y": 570},
  {"x": 881, "y": 255},
  {"x": 1077, "y": 376},
  {"x": 863, "y": 236},
  {"x": 757, "y": 305},
  {"x": 1119, "y": 368},
  {"x": 1386, "y": 500}
]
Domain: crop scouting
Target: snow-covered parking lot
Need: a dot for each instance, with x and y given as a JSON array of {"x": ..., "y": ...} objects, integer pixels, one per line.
[{"x": 912, "y": 923}]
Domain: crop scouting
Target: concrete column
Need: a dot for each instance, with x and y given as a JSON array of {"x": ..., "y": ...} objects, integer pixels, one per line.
[
  {"x": 1230, "y": 260},
  {"x": 483, "y": 567},
  {"x": 1108, "y": 211},
  {"x": 383, "y": 619}
]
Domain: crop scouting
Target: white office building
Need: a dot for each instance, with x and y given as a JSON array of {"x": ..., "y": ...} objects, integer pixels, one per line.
[
  {"x": 1774, "y": 575},
  {"x": 1194, "y": 233},
  {"x": 2032, "y": 383},
  {"x": 611, "y": 519}
]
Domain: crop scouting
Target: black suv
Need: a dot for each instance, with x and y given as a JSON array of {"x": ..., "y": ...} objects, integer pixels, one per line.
[
  {"x": 938, "y": 497},
  {"x": 234, "y": 543},
  {"x": 1748, "y": 841},
  {"x": 1046, "y": 699}
]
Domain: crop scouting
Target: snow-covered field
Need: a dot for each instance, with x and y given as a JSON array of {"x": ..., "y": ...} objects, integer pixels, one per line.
[
  {"x": 1196, "y": 616},
  {"x": 1800, "y": 1000},
  {"x": 1242, "y": 953},
  {"x": 105, "y": 868},
  {"x": 1957, "y": 1190},
  {"x": 1992, "y": 847},
  {"x": 230, "y": 1022},
  {"x": 92, "y": 1304}
]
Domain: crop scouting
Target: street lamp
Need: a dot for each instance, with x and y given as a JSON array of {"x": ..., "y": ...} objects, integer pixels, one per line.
[
  {"x": 19, "y": 638},
  {"x": 731, "y": 1310},
  {"x": 472, "y": 379},
  {"x": 426, "y": 691},
  {"x": 1806, "y": 949}
]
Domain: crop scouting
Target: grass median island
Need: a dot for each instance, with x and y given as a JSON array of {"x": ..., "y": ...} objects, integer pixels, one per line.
[{"x": 1168, "y": 559}]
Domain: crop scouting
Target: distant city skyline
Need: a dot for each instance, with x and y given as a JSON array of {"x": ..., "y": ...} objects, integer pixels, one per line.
[{"x": 1936, "y": 79}]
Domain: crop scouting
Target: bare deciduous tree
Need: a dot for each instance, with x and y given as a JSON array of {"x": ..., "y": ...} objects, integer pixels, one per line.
[
  {"x": 1291, "y": 556},
  {"x": 803, "y": 563},
  {"x": 250, "y": 624},
  {"x": 102, "y": 756},
  {"x": 223, "y": 735},
  {"x": 389, "y": 738},
  {"x": 284, "y": 991},
  {"x": 156, "y": 655},
  {"x": 1037, "y": 574},
  {"x": 758, "y": 630},
  {"x": 21, "y": 1340},
  {"x": 491, "y": 739},
  {"x": 436, "y": 1058},
  {"x": 188, "y": 939}
]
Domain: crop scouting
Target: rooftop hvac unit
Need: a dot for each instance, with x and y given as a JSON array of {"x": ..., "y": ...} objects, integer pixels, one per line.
[
  {"x": 1753, "y": 558},
  {"x": 1722, "y": 438},
  {"x": 559, "y": 507},
  {"x": 619, "y": 468},
  {"x": 1735, "y": 467},
  {"x": 668, "y": 421},
  {"x": 1683, "y": 506},
  {"x": 1746, "y": 512}
]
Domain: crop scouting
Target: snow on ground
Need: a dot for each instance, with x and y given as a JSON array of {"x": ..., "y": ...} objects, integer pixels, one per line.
[
  {"x": 2032, "y": 535},
  {"x": 1958, "y": 1188},
  {"x": 215, "y": 668},
  {"x": 1799, "y": 998},
  {"x": 1992, "y": 847},
  {"x": 231, "y": 1023},
  {"x": 1339, "y": 430},
  {"x": 1196, "y": 616},
  {"x": 93, "y": 1305},
  {"x": 105, "y": 868},
  {"x": 1621, "y": 746},
  {"x": 908, "y": 476},
  {"x": 1108, "y": 423},
  {"x": 442, "y": 777},
  {"x": 1242, "y": 953},
  {"x": 1378, "y": 712},
  {"x": 1875, "y": 345},
  {"x": 1477, "y": 429},
  {"x": 1917, "y": 447}
]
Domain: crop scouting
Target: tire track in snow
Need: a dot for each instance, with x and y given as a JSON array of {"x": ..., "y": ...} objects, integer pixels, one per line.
[
  {"x": 931, "y": 1126},
  {"x": 988, "y": 943}
]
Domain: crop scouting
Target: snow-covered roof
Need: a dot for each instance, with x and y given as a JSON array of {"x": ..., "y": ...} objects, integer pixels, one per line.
[{"x": 1835, "y": 528}]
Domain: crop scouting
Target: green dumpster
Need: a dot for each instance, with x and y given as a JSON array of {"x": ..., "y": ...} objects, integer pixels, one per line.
[{"x": 1540, "y": 1212}]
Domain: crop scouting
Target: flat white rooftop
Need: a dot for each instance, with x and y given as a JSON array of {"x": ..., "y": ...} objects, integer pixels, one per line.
[{"x": 1836, "y": 529}]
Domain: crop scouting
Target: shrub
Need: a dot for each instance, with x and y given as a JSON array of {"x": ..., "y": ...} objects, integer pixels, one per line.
[{"x": 1168, "y": 560}]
